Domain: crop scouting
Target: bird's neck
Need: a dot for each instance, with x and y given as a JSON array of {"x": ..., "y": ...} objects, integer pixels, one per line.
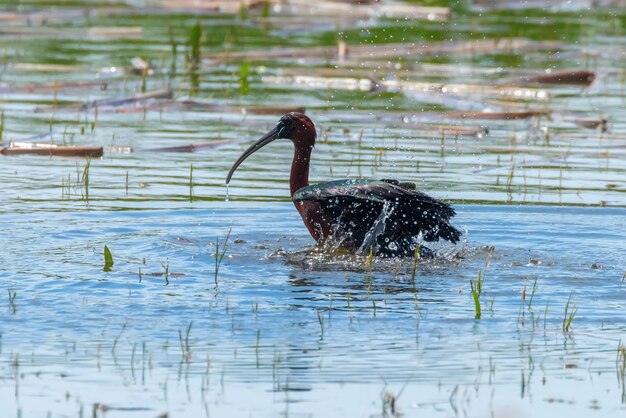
[{"x": 299, "y": 177}]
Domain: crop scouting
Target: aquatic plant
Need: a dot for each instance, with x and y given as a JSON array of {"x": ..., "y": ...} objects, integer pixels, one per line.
[
  {"x": 145, "y": 72},
  {"x": 116, "y": 340},
  {"x": 570, "y": 313},
  {"x": 195, "y": 35},
  {"x": 265, "y": 13},
  {"x": 194, "y": 57},
  {"x": 320, "y": 319},
  {"x": 389, "y": 404},
  {"x": 509, "y": 182},
  {"x": 1, "y": 124},
  {"x": 416, "y": 259},
  {"x": 191, "y": 182},
  {"x": 174, "y": 48},
  {"x": 369, "y": 265},
  {"x": 65, "y": 188},
  {"x": 620, "y": 364},
  {"x": 243, "y": 11},
  {"x": 219, "y": 256},
  {"x": 244, "y": 75},
  {"x": 184, "y": 343},
  {"x": 257, "y": 345},
  {"x": 166, "y": 272},
  {"x": 522, "y": 312},
  {"x": 108, "y": 259},
  {"x": 85, "y": 178},
  {"x": 477, "y": 286},
  {"x": 532, "y": 295},
  {"x": 389, "y": 399},
  {"x": 12, "y": 296}
]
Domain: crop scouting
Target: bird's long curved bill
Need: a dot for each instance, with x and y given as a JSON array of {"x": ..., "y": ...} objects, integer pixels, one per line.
[{"x": 260, "y": 143}]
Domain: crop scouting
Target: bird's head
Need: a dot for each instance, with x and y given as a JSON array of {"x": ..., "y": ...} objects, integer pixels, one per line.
[{"x": 297, "y": 127}]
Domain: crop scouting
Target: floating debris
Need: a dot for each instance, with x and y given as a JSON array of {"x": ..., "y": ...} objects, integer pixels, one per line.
[
  {"x": 255, "y": 110},
  {"x": 582, "y": 78},
  {"x": 589, "y": 123},
  {"x": 104, "y": 104},
  {"x": 40, "y": 67},
  {"x": 141, "y": 66},
  {"x": 192, "y": 147},
  {"x": 458, "y": 130},
  {"x": 312, "y": 82},
  {"x": 21, "y": 148},
  {"x": 467, "y": 89},
  {"x": 213, "y": 6},
  {"x": 115, "y": 32},
  {"x": 526, "y": 114},
  {"x": 64, "y": 33},
  {"x": 54, "y": 86},
  {"x": 368, "y": 84},
  {"x": 52, "y": 15},
  {"x": 362, "y": 10},
  {"x": 365, "y": 9},
  {"x": 392, "y": 50}
]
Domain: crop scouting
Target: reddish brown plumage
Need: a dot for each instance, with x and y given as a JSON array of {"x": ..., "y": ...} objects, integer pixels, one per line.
[{"x": 384, "y": 216}]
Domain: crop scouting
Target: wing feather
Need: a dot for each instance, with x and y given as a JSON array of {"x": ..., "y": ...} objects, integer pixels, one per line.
[{"x": 356, "y": 204}]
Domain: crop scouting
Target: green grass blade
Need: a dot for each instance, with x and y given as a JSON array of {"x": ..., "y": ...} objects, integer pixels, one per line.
[{"x": 108, "y": 259}]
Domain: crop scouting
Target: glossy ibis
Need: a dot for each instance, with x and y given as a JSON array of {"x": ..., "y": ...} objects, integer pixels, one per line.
[{"x": 386, "y": 217}]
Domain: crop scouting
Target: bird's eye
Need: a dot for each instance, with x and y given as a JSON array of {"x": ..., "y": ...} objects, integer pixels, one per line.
[{"x": 284, "y": 131}]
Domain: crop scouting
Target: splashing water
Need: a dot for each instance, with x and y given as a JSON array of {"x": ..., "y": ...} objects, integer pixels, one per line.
[{"x": 371, "y": 238}]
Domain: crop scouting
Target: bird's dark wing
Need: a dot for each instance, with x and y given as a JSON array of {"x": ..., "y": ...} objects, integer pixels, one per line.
[{"x": 358, "y": 203}]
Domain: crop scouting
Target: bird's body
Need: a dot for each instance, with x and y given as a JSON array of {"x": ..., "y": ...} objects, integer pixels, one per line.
[{"x": 386, "y": 217}]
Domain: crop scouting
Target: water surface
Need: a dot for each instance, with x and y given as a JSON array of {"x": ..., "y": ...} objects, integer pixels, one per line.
[{"x": 283, "y": 329}]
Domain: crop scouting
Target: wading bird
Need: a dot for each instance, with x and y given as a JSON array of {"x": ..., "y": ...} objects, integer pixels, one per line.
[{"x": 386, "y": 217}]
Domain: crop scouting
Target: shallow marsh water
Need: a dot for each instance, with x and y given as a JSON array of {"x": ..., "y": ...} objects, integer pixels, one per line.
[{"x": 288, "y": 330}]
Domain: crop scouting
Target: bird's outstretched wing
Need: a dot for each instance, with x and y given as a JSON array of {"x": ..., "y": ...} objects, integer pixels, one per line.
[{"x": 357, "y": 205}]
